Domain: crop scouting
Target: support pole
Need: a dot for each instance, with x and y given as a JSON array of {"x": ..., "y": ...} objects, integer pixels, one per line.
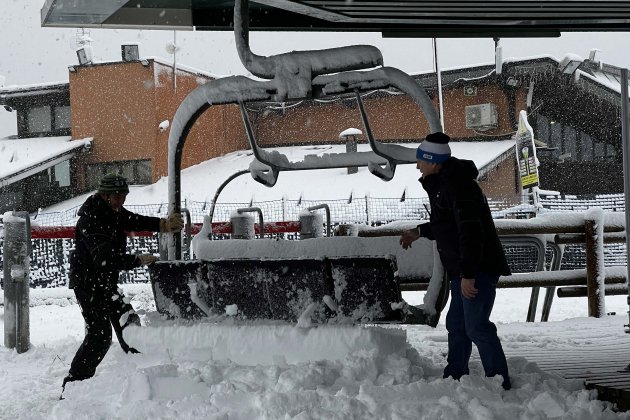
[
  {"x": 625, "y": 141},
  {"x": 16, "y": 254},
  {"x": 595, "y": 277}
]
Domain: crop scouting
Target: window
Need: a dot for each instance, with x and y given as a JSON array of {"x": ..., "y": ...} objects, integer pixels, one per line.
[
  {"x": 137, "y": 172},
  {"x": 62, "y": 173},
  {"x": 39, "y": 120},
  {"x": 62, "y": 117}
]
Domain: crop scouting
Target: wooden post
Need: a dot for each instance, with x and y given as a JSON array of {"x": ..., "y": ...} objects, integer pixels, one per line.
[{"x": 594, "y": 227}]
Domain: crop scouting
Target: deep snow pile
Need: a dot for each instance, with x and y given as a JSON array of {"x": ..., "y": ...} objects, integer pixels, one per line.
[{"x": 279, "y": 371}]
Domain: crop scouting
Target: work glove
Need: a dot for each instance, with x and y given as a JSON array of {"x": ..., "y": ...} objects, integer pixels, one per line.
[
  {"x": 173, "y": 223},
  {"x": 145, "y": 259}
]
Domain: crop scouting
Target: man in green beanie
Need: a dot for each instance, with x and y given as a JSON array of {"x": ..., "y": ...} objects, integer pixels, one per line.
[{"x": 100, "y": 254}]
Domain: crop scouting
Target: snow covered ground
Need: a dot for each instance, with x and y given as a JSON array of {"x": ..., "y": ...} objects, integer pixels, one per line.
[
  {"x": 232, "y": 370},
  {"x": 247, "y": 371}
]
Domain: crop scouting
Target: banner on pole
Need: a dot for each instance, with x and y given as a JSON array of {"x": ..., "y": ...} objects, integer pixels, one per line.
[{"x": 526, "y": 153}]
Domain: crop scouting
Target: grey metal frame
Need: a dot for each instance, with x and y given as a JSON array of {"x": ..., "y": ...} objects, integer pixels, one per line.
[
  {"x": 294, "y": 75},
  {"x": 540, "y": 266}
]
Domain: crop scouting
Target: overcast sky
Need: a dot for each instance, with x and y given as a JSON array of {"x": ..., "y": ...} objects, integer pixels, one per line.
[{"x": 32, "y": 54}]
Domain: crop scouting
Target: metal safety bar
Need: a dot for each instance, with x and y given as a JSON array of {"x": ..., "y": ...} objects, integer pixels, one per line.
[
  {"x": 326, "y": 207},
  {"x": 261, "y": 225}
]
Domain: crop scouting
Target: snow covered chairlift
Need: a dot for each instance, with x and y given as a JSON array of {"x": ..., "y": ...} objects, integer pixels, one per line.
[{"x": 317, "y": 286}]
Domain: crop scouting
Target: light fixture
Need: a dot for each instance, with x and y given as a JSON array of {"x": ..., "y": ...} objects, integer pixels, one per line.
[
  {"x": 72, "y": 69},
  {"x": 145, "y": 63}
]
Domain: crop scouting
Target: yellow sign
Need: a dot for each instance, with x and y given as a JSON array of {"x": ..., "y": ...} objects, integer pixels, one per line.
[{"x": 526, "y": 153}]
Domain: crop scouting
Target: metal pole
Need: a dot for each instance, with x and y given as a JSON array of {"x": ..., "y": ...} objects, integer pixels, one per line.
[
  {"x": 17, "y": 251},
  {"x": 625, "y": 141},
  {"x": 438, "y": 75}
]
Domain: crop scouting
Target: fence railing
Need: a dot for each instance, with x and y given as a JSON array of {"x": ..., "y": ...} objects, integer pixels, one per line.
[{"x": 49, "y": 262}]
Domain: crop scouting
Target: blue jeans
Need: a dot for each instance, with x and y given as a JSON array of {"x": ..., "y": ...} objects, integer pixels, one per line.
[{"x": 467, "y": 322}]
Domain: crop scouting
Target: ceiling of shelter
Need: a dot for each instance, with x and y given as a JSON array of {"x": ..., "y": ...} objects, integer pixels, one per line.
[{"x": 392, "y": 18}]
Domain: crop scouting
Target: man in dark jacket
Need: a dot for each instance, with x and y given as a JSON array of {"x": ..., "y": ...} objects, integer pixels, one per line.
[
  {"x": 470, "y": 252},
  {"x": 95, "y": 264}
]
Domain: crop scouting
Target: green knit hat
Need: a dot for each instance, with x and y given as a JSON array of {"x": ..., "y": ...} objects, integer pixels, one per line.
[{"x": 113, "y": 184}]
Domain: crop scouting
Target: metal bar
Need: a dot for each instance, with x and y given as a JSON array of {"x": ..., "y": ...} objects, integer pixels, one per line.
[
  {"x": 579, "y": 238},
  {"x": 582, "y": 291},
  {"x": 17, "y": 252},
  {"x": 187, "y": 231},
  {"x": 625, "y": 141},
  {"x": 556, "y": 261},
  {"x": 326, "y": 208},
  {"x": 260, "y": 218}
]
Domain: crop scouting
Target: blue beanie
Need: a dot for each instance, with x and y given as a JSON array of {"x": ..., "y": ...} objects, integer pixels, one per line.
[{"x": 434, "y": 148}]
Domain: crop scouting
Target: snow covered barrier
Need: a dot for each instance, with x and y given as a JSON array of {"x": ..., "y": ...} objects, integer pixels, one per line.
[
  {"x": 254, "y": 343},
  {"x": 16, "y": 252}
]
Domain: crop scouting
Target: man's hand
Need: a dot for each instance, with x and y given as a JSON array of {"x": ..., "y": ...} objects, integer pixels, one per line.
[
  {"x": 469, "y": 291},
  {"x": 408, "y": 237},
  {"x": 146, "y": 259},
  {"x": 173, "y": 223}
]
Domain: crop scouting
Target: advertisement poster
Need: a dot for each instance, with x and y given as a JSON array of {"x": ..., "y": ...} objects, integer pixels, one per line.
[{"x": 526, "y": 153}]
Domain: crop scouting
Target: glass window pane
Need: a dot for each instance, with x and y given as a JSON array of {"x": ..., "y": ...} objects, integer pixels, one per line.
[
  {"x": 587, "y": 146},
  {"x": 62, "y": 117},
  {"x": 127, "y": 171},
  {"x": 62, "y": 173},
  {"x": 143, "y": 169},
  {"x": 94, "y": 174},
  {"x": 39, "y": 120}
]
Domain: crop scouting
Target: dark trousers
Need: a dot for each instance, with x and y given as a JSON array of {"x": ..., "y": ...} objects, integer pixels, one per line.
[
  {"x": 98, "y": 310},
  {"x": 467, "y": 322}
]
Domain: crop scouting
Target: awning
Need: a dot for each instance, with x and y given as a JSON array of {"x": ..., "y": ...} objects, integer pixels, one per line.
[
  {"x": 22, "y": 158},
  {"x": 393, "y": 18}
]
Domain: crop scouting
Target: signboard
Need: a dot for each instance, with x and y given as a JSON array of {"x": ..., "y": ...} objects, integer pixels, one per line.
[{"x": 526, "y": 153}]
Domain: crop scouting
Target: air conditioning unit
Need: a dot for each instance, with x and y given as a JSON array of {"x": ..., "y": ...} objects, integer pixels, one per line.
[{"x": 482, "y": 117}]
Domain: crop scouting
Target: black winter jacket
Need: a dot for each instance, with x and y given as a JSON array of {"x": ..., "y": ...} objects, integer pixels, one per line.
[
  {"x": 461, "y": 222},
  {"x": 101, "y": 244}
]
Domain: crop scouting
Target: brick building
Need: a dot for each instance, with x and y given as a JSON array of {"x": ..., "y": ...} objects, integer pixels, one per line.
[{"x": 124, "y": 108}]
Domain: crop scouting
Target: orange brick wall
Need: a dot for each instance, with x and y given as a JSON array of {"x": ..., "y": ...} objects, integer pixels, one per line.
[
  {"x": 114, "y": 104},
  {"x": 391, "y": 118},
  {"x": 121, "y": 106},
  {"x": 218, "y": 131},
  {"x": 122, "y": 114}
]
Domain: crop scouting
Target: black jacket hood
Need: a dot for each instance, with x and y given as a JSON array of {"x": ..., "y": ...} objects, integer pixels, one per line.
[
  {"x": 92, "y": 204},
  {"x": 459, "y": 169},
  {"x": 454, "y": 171}
]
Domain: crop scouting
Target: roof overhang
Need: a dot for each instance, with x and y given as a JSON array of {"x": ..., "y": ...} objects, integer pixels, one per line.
[
  {"x": 42, "y": 163},
  {"x": 392, "y": 18}
]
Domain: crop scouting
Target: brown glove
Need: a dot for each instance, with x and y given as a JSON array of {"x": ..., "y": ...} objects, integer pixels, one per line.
[
  {"x": 173, "y": 223},
  {"x": 145, "y": 259}
]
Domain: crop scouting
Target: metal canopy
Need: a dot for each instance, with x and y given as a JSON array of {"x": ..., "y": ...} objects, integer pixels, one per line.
[{"x": 392, "y": 18}]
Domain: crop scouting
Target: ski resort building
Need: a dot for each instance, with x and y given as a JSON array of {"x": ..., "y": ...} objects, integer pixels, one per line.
[{"x": 118, "y": 116}]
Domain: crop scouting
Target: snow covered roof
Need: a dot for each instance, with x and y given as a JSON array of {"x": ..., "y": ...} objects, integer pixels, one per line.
[
  {"x": 200, "y": 182},
  {"x": 18, "y": 91},
  {"x": 21, "y": 158},
  {"x": 185, "y": 68}
]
